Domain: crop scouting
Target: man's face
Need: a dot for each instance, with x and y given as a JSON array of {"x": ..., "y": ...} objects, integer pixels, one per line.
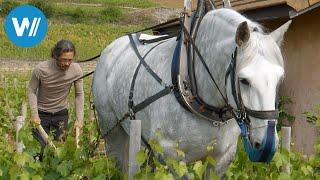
[{"x": 64, "y": 61}]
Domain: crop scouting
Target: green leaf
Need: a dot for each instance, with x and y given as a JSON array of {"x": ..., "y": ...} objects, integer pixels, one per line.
[
  {"x": 213, "y": 176},
  {"x": 163, "y": 176},
  {"x": 0, "y": 173},
  {"x": 181, "y": 168},
  {"x": 158, "y": 134},
  {"x": 36, "y": 177},
  {"x": 24, "y": 176},
  {"x": 100, "y": 177},
  {"x": 141, "y": 157},
  {"x": 278, "y": 161},
  {"x": 157, "y": 163},
  {"x": 14, "y": 171},
  {"x": 199, "y": 168},
  {"x": 64, "y": 168},
  {"x": 20, "y": 159},
  {"x": 99, "y": 165},
  {"x": 229, "y": 174},
  {"x": 35, "y": 165},
  {"x": 144, "y": 173},
  {"x": 155, "y": 145},
  {"x": 61, "y": 153},
  {"x": 210, "y": 148},
  {"x": 310, "y": 169},
  {"x": 191, "y": 175},
  {"x": 180, "y": 153},
  {"x": 305, "y": 170},
  {"x": 211, "y": 161},
  {"x": 284, "y": 176}
]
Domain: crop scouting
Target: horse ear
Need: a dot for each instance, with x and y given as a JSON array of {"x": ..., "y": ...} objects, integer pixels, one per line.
[
  {"x": 242, "y": 34},
  {"x": 209, "y": 5},
  {"x": 278, "y": 34}
]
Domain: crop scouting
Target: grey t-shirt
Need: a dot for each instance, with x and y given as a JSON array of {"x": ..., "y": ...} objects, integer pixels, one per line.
[{"x": 49, "y": 88}]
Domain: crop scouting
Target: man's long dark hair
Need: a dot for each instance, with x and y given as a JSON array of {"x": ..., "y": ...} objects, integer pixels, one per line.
[{"x": 62, "y": 46}]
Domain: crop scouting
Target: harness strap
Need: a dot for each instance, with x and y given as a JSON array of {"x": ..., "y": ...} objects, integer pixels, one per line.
[
  {"x": 144, "y": 41},
  {"x": 133, "y": 82},
  {"x": 269, "y": 149},
  {"x": 175, "y": 73},
  {"x": 232, "y": 68},
  {"x": 90, "y": 59},
  {"x": 183, "y": 88},
  {"x": 153, "y": 74},
  {"x": 152, "y": 99},
  {"x": 130, "y": 102},
  {"x": 203, "y": 62},
  {"x": 191, "y": 70},
  {"x": 241, "y": 105},
  {"x": 272, "y": 114},
  {"x": 88, "y": 74}
]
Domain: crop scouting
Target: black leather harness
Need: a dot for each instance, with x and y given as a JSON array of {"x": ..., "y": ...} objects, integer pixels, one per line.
[
  {"x": 185, "y": 90},
  {"x": 167, "y": 89}
]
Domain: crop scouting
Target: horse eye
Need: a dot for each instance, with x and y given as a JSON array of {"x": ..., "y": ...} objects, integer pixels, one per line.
[{"x": 245, "y": 82}]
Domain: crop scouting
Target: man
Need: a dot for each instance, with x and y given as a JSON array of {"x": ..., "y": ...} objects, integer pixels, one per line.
[{"x": 48, "y": 91}]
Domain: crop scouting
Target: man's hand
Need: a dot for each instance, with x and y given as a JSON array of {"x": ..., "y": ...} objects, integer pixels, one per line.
[
  {"x": 78, "y": 126},
  {"x": 35, "y": 122}
]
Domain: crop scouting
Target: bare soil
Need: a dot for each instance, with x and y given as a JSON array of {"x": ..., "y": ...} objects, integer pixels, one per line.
[
  {"x": 173, "y": 3},
  {"x": 150, "y": 16},
  {"x": 27, "y": 65}
]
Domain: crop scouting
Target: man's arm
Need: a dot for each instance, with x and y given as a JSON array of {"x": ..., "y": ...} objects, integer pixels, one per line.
[
  {"x": 79, "y": 101},
  {"x": 32, "y": 96}
]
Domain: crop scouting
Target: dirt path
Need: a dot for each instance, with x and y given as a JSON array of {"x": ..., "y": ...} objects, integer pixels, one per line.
[
  {"x": 27, "y": 65},
  {"x": 173, "y": 3}
]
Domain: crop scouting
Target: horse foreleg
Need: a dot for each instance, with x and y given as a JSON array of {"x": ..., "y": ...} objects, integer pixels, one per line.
[
  {"x": 117, "y": 145},
  {"x": 225, "y": 160}
]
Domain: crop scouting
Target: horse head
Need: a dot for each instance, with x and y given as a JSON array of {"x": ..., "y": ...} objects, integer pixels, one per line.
[{"x": 253, "y": 89}]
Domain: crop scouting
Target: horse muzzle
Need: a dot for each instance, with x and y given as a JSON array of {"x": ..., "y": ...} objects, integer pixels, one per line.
[{"x": 265, "y": 151}]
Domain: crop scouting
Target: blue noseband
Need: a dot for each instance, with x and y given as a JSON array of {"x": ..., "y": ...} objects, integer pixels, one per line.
[{"x": 266, "y": 152}]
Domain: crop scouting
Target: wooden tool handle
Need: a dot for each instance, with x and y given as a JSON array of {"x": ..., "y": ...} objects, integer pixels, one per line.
[{"x": 45, "y": 136}]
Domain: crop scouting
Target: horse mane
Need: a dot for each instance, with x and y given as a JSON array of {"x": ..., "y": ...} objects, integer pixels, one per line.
[
  {"x": 233, "y": 18},
  {"x": 260, "y": 42}
]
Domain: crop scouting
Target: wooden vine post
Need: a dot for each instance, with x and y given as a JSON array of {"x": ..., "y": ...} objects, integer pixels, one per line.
[
  {"x": 134, "y": 147},
  {"x": 285, "y": 145}
]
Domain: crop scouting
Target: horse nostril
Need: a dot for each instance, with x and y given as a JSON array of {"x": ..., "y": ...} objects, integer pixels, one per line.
[{"x": 257, "y": 145}]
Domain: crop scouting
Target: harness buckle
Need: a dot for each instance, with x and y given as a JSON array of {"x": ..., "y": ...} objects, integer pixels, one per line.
[
  {"x": 237, "y": 113},
  {"x": 244, "y": 115},
  {"x": 241, "y": 116},
  {"x": 216, "y": 123},
  {"x": 131, "y": 114}
]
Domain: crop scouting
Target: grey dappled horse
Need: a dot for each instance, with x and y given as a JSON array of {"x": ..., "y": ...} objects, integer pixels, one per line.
[{"x": 260, "y": 68}]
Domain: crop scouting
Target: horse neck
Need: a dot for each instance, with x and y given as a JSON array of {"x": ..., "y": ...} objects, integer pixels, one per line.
[{"x": 216, "y": 43}]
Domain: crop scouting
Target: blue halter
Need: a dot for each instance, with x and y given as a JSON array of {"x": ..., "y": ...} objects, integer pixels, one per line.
[{"x": 266, "y": 151}]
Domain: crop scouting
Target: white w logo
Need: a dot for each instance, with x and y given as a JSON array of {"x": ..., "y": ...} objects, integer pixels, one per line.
[{"x": 25, "y": 25}]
